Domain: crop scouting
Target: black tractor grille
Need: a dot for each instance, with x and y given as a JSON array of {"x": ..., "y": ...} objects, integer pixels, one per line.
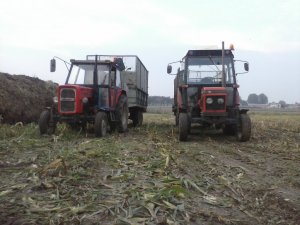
[
  {"x": 67, "y": 100},
  {"x": 215, "y": 105}
]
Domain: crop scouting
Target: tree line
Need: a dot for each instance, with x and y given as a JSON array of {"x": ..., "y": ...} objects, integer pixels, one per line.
[
  {"x": 252, "y": 99},
  {"x": 160, "y": 100},
  {"x": 260, "y": 99},
  {"x": 257, "y": 99}
]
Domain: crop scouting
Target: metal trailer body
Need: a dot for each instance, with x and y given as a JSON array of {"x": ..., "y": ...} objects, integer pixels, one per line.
[{"x": 135, "y": 77}]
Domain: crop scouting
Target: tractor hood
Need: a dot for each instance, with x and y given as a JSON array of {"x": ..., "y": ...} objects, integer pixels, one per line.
[
  {"x": 212, "y": 90},
  {"x": 71, "y": 98}
]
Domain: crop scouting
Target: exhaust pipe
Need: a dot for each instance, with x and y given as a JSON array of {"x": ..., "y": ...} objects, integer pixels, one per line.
[{"x": 223, "y": 69}]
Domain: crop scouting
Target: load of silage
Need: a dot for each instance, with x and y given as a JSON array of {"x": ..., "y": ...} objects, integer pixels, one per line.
[{"x": 22, "y": 98}]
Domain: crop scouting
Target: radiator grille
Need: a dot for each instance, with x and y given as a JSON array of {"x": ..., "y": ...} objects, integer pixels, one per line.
[{"x": 67, "y": 100}]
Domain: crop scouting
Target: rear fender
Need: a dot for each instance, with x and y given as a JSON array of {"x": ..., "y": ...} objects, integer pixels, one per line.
[{"x": 119, "y": 93}]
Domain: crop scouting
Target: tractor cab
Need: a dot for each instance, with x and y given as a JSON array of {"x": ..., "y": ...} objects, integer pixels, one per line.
[
  {"x": 92, "y": 93},
  {"x": 211, "y": 81},
  {"x": 100, "y": 77}
]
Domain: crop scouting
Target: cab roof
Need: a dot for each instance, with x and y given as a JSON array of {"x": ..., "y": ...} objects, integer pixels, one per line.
[
  {"x": 209, "y": 52},
  {"x": 118, "y": 62}
]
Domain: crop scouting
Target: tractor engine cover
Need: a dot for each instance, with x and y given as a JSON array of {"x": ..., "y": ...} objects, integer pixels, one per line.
[
  {"x": 72, "y": 98},
  {"x": 213, "y": 101}
]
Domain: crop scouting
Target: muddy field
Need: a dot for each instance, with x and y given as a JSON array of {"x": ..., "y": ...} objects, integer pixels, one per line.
[{"x": 146, "y": 176}]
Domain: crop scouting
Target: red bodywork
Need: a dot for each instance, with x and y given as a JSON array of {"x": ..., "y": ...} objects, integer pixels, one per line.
[
  {"x": 79, "y": 93},
  {"x": 212, "y": 92},
  {"x": 115, "y": 96}
]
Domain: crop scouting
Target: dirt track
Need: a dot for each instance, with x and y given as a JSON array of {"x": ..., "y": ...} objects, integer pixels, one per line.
[{"x": 147, "y": 177}]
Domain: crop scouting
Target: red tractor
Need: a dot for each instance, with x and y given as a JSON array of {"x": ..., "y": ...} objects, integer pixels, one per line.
[
  {"x": 206, "y": 92},
  {"x": 99, "y": 91}
]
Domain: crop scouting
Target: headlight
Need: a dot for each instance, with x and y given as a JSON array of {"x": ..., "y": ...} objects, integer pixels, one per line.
[
  {"x": 55, "y": 99},
  {"x": 85, "y": 100},
  {"x": 209, "y": 100},
  {"x": 220, "y": 100}
]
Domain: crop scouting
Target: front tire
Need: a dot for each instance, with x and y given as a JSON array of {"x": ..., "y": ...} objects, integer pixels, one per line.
[
  {"x": 183, "y": 126},
  {"x": 243, "y": 132},
  {"x": 176, "y": 119},
  {"x": 101, "y": 124},
  {"x": 45, "y": 125}
]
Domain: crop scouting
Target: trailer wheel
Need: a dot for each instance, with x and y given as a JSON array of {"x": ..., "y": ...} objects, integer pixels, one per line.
[
  {"x": 243, "y": 132},
  {"x": 137, "y": 118},
  {"x": 44, "y": 123},
  {"x": 101, "y": 124},
  {"x": 122, "y": 114},
  {"x": 183, "y": 126}
]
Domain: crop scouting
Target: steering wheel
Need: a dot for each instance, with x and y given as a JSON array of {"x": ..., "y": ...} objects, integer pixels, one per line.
[{"x": 207, "y": 80}]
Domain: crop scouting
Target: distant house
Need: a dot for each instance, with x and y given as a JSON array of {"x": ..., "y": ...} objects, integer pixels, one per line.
[
  {"x": 274, "y": 105},
  {"x": 261, "y": 106}
]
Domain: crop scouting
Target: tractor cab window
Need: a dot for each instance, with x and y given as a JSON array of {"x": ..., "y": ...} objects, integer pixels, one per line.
[
  {"x": 208, "y": 70},
  {"x": 103, "y": 74},
  {"x": 81, "y": 74},
  {"x": 118, "y": 78},
  {"x": 84, "y": 74}
]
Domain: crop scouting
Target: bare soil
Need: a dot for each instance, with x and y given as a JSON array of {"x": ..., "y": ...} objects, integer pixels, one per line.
[{"x": 146, "y": 176}]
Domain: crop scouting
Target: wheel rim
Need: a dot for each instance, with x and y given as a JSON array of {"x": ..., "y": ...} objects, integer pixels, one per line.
[
  {"x": 124, "y": 117},
  {"x": 103, "y": 127},
  {"x": 239, "y": 132}
]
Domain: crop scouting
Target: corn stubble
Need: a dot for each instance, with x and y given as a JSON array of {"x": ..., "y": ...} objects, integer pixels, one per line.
[{"x": 146, "y": 176}]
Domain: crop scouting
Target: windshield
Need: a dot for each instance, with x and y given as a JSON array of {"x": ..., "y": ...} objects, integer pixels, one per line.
[
  {"x": 208, "y": 70},
  {"x": 83, "y": 74}
]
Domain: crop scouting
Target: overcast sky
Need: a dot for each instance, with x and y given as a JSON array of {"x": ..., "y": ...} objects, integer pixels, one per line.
[{"x": 265, "y": 33}]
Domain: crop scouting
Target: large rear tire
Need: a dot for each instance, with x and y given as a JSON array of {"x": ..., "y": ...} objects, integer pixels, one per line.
[
  {"x": 137, "y": 118},
  {"x": 122, "y": 114},
  {"x": 176, "y": 119},
  {"x": 189, "y": 123},
  {"x": 183, "y": 126},
  {"x": 45, "y": 125},
  {"x": 243, "y": 132},
  {"x": 101, "y": 124}
]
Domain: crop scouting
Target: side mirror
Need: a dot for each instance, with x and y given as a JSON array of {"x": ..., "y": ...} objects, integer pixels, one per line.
[
  {"x": 169, "y": 69},
  {"x": 246, "y": 66},
  {"x": 52, "y": 65}
]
